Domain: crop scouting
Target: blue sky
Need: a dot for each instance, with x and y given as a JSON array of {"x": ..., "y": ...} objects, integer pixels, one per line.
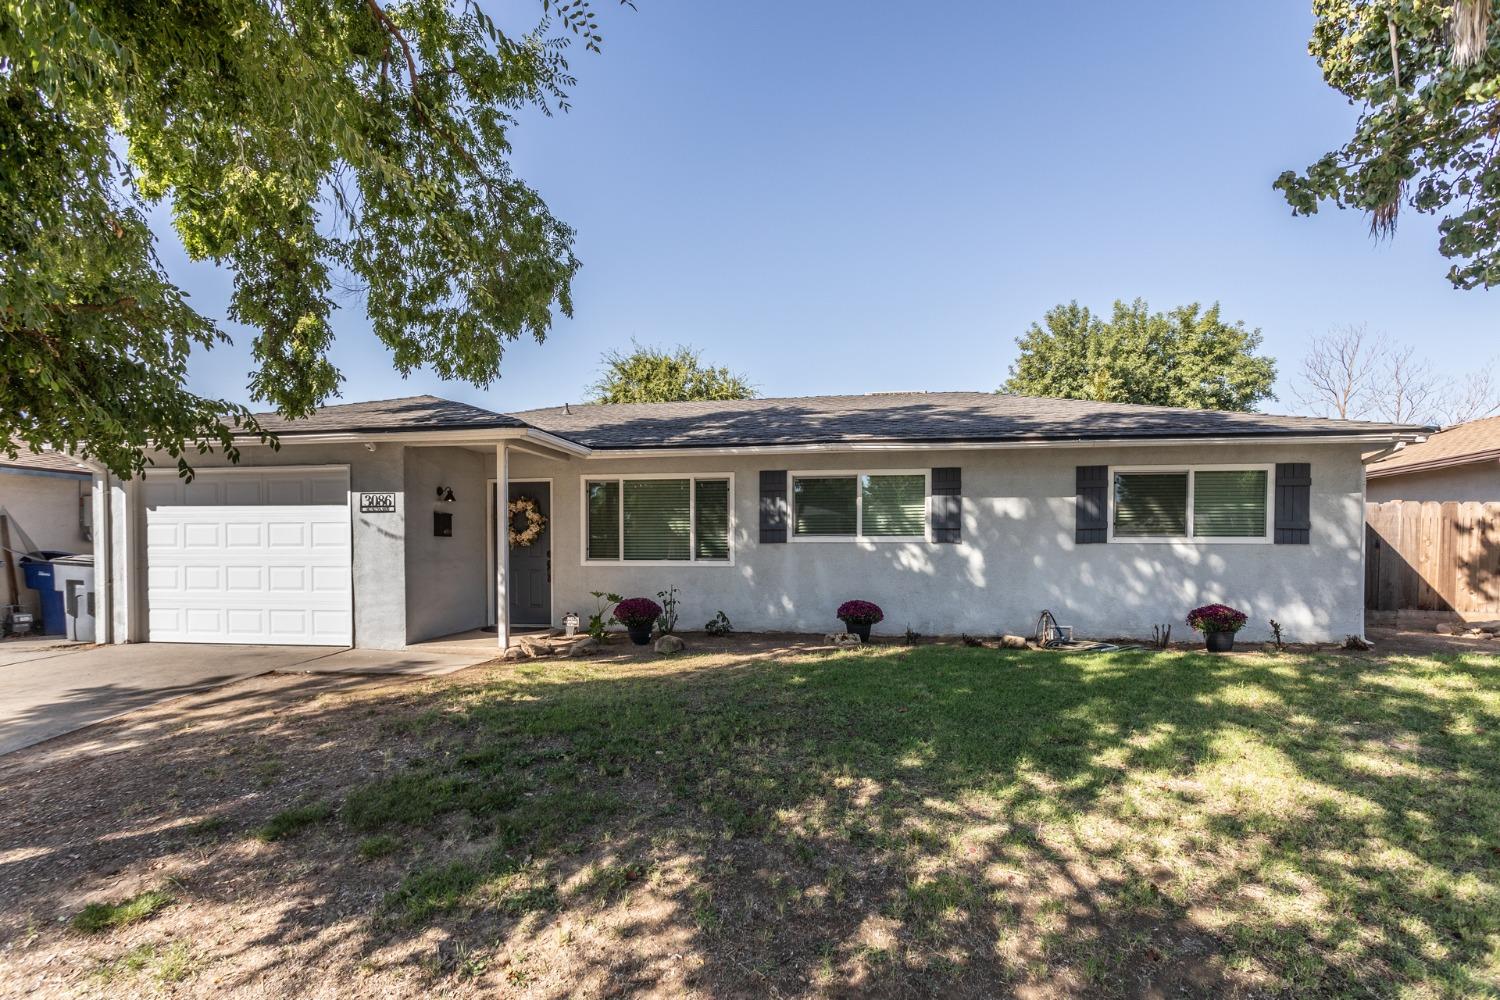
[{"x": 839, "y": 197}]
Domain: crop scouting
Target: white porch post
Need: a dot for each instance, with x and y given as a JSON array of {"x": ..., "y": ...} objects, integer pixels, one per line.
[{"x": 502, "y": 543}]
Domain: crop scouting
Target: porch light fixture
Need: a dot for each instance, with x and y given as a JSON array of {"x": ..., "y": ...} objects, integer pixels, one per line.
[{"x": 445, "y": 494}]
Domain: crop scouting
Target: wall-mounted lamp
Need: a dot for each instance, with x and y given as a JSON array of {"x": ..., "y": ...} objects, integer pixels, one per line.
[{"x": 445, "y": 494}]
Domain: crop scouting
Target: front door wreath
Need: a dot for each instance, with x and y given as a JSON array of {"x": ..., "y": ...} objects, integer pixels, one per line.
[{"x": 535, "y": 522}]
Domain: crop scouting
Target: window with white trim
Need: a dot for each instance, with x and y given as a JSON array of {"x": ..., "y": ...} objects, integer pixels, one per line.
[
  {"x": 1210, "y": 502},
  {"x": 657, "y": 519},
  {"x": 880, "y": 506}
]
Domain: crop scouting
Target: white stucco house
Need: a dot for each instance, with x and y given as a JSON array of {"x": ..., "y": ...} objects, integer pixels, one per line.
[{"x": 375, "y": 524}]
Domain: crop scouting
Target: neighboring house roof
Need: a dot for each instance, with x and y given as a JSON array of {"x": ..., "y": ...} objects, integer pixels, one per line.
[
  {"x": 1461, "y": 444},
  {"x": 54, "y": 462},
  {"x": 914, "y": 417},
  {"x": 427, "y": 413}
]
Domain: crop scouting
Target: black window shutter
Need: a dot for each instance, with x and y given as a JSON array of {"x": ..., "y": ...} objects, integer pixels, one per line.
[
  {"x": 947, "y": 505},
  {"x": 1293, "y": 503},
  {"x": 773, "y": 509},
  {"x": 1092, "y": 522}
]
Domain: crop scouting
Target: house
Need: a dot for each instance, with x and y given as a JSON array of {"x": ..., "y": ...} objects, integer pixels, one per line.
[
  {"x": 374, "y": 524},
  {"x": 1457, "y": 464},
  {"x": 46, "y": 499}
]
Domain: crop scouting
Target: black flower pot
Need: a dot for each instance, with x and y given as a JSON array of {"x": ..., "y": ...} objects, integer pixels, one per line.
[
  {"x": 640, "y": 634},
  {"x": 1219, "y": 642},
  {"x": 863, "y": 631}
]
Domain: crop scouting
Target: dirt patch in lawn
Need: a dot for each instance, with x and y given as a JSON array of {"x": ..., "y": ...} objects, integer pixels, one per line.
[{"x": 767, "y": 818}]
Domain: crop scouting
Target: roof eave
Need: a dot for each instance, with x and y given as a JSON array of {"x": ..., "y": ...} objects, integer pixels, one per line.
[
  {"x": 1448, "y": 462},
  {"x": 970, "y": 444}
]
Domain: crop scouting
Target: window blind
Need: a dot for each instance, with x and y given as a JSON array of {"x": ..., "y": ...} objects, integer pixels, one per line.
[
  {"x": 1229, "y": 504},
  {"x": 604, "y": 519},
  {"x": 825, "y": 505},
  {"x": 895, "y": 505},
  {"x": 1150, "y": 503},
  {"x": 656, "y": 519},
  {"x": 712, "y": 505}
]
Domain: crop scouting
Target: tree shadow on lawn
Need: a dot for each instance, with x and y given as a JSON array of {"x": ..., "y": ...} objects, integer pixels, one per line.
[{"x": 940, "y": 821}]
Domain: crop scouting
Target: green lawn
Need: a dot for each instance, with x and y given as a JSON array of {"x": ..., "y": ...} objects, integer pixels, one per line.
[
  {"x": 949, "y": 820},
  {"x": 762, "y": 821}
]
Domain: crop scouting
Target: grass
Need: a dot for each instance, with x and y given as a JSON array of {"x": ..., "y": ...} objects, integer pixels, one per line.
[
  {"x": 99, "y": 917},
  {"x": 926, "y": 820},
  {"x": 1313, "y": 825},
  {"x": 292, "y": 821},
  {"x": 167, "y": 964}
]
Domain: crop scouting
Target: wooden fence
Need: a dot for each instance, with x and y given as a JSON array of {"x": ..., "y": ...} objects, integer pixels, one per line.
[{"x": 1429, "y": 556}]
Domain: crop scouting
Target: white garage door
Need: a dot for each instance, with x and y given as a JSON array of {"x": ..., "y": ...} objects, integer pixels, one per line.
[{"x": 250, "y": 556}]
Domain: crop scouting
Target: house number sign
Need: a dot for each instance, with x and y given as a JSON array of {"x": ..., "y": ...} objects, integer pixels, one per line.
[{"x": 377, "y": 503}]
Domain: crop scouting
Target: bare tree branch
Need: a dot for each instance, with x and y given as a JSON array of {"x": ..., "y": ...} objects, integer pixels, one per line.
[{"x": 1338, "y": 372}]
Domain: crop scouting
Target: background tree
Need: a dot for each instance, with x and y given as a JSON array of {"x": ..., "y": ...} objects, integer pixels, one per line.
[
  {"x": 299, "y": 143},
  {"x": 1426, "y": 77},
  {"x": 653, "y": 375},
  {"x": 1352, "y": 373},
  {"x": 1184, "y": 357}
]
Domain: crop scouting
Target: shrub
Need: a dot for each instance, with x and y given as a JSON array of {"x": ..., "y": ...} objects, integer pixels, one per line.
[
  {"x": 667, "y": 623},
  {"x": 719, "y": 625},
  {"x": 860, "y": 613},
  {"x": 1216, "y": 618},
  {"x": 634, "y": 612}
]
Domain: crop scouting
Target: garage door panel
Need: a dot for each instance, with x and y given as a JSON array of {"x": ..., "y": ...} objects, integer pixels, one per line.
[{"x": 238, "y": 572}]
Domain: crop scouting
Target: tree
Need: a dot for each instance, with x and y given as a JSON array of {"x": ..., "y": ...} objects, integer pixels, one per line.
[
  {"x": 300, "y": 143},
  {"x": 1185, "y": 357},
  {"x": 652, "y": 375},
  {"x": 1339, "y": 370},
  {"x": 1351, "y": 373},
  {"x": 1426, "y": 77}
]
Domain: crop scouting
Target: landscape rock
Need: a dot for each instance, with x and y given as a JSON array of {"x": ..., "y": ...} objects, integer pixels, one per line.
[
  {"x": 670, "y": 644},
  {"x": 1013, "y": 642},
  {"x": 582, "y": 647},
  {"x": 1447, "y": 628},
  {"x": 841, "y": 639}
]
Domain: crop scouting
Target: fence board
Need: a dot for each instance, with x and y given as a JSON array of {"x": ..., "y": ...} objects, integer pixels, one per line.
[{"x": 1429, "y": 556}]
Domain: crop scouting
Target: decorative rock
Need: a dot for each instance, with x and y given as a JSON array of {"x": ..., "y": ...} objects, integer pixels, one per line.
[
  {"x": 1446, "y": 628},
  {"x": 843, "y": 640},
  {"x": 670, "y": 644},
  {"x": 513, "y": 653},
  {"x": 1013, "y": 642},
  {"x": 582, "y": 647}
]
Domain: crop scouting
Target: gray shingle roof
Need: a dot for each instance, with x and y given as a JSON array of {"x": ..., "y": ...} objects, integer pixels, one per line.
[
  {"x": 909, "y": 416},
  {"x": 410, "y": 413}
]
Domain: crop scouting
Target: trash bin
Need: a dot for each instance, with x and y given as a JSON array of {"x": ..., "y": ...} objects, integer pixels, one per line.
[
  {"x": 73, "y": 576},
  {"x": 39, "y": 577}
]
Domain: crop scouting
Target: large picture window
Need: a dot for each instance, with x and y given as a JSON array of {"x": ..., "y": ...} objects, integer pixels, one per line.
[
  {"x": 883, "y": 506},
  {"x": 667, "y": 519},
  {"x": 1224, "y": 504}
]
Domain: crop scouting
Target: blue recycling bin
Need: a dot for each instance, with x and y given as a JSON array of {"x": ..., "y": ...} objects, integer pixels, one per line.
[{"x": 39, "y": 577}]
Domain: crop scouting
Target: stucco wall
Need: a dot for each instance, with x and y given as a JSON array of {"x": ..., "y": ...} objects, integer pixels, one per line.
[
  {"x": 1017, "y": 557},
  {"x": 445, "y": 577},
  {"x": 379, "y": 540},
  {"x": 44, "y": 508},
  {"x": 1462, "y": 483}
]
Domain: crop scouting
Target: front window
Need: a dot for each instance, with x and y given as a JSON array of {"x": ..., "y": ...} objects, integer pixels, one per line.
[
  {"x": 657, "y": 519},
  {"x": 853, "y": 505},
  {"x": 1221, "y": 504}
]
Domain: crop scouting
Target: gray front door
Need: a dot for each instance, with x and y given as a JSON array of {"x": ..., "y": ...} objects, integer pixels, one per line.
[{"x": 530, "y": 583}]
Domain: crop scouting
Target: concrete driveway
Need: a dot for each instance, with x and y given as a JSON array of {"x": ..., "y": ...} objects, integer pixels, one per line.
[{"x": 48, "y": 690}]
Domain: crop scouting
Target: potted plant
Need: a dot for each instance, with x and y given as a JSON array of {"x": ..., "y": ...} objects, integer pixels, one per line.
[
  {"x": 1218, "y": 623},
  {"x": 858, "y": 616},
  {"x": 638, "y": 615}
]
